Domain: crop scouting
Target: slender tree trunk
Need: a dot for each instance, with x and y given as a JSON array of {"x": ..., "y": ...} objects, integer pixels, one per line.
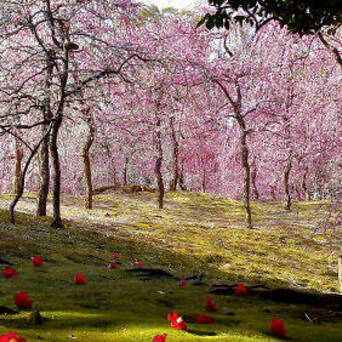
[
  {"x": 160, "y": 182},
  {"x": 125, "y": 172},
  {"x": 44, "y": 176},
  {"x": 181, "y": 179},
  {"x": 305, "y": 190},
  {"x": 273, "y": 194},
  {"x": 56, "y": 187},
  {"x": 236, "y": 104},
  {"x": 246, "y": 177},
  {"x": 18, "y": 177},
  {"x": 88, "y": 200},
  {"x": 22, "y": 184},
  {"x": 203, "y": 183},
  {"x": 254, "y": 174},
  {"x": 115, "y": 181},
  {"x": 175, "y": 176},
  {"x": 286, "y": 184},
  {"x": 44, "y": 168},
  {"x": 157, "y": 169}
]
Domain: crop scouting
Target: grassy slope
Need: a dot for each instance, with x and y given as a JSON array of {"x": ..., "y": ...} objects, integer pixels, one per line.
[{"x": 196, "y": 232}]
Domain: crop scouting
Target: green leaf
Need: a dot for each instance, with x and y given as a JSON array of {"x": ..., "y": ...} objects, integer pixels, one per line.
[
  {"x": 210, "y": 23},
  {"x": 202, "y": 20}
]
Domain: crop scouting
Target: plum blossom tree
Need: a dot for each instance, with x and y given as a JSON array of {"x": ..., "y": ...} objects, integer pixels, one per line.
[
  {"x": 55, "y": 40},
  {"x": 240, "y": 114}
]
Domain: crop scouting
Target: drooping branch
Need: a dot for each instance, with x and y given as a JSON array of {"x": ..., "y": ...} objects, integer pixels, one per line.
[
  {"x": 104, "y": 73},
  {"x": 332, "y": 49}
]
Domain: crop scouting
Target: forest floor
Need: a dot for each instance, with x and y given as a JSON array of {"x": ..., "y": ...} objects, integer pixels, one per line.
[{"x": 195, "y": 232}]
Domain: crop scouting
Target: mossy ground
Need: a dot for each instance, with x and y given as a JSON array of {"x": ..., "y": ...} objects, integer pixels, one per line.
[{"x": 195, "y": 232}]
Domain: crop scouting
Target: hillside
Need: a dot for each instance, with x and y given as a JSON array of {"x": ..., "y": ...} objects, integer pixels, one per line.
[{"x": 195, "y": 232}]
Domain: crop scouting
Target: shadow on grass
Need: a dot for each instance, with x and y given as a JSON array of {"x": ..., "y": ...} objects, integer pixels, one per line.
[
  {"x": 102, "y": 238},
  {"x": 201, "y": 333}
]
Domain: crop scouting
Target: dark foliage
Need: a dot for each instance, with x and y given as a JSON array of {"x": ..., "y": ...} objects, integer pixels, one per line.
[{"x": 300, "y": 16}]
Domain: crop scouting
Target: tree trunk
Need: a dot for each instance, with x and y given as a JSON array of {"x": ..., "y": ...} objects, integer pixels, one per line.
[
  {"x": 44, "y": 176},
  {"x": 22, "y": 184},
  {"x": 18, "y": 177},
  {"x": 181, "y": 179},
  {"x": 175, "y": 176},
  {"x": 254, "y": 174},
  {"x": 305, "y": 190},
  {"x": 56, "y": 187},
  {"x": 115, "y": 181},
  {"x": 244, "y": 148},
  {"x": 125, "y": 172},
  {"x": 246, "y": 171},
  {"x": 44, "y": 168},
  {"x": 160, "y": 182},
  {"x": 204, "y": 181},
  {"x": 157, "y": 169},
  {"x": 286, "y": 184},
  {"x": 273, "y": 194},
  {"x": 88, "y": 200}
]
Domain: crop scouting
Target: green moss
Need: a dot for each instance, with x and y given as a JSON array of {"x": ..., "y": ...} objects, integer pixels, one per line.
[{"x": 196, "y": 232}]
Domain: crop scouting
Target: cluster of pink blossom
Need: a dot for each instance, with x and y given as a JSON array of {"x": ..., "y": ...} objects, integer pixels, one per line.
[{"x": 128, "y": 95}]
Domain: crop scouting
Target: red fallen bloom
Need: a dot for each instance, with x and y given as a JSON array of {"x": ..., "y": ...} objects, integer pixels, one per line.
[
  {"x": 37, "y": 261},
  {"x": 116, "y": 256},
  {"x": 11, "y": 337},
  {"x": 278, "y": 328},
  {"x": 80, "y": 279},
  {"x": 210, "y": 305},
  {"x": 176, "y": 321},
  {"x": 9, "y": 272},
  {"x": 182, "y": 282},
  {"x": 112, "y": 265},
  {"x": 203, "y": 319},
  {"x": 22, "y": 300},
  {"x": 134, "y": 260},
  {"x": 158, "y": 338},
  {"x": 241, "y": 291},
  {"x": 140, "y": 264}
]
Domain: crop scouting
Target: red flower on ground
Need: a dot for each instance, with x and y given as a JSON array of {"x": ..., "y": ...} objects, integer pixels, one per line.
[
  {"x": 278, "y": 328},
  {"x": 37, "y": 261},
  {"x": 176, "y": 321},
  {"x": 182, "y": 282},
  {"x": 159, "y": 338},
  {"x": 11, "y": 337},
  {"x": 241, "y": 291},
  {"x": 116, "y": 256},
  {"x": 140, "y": 264},
  {"x": 80, "y": 279},
  {"x": 9, "y": 272},
  {"x": 204, "y": 319},
  {"x": 210, "y": 305},
  {"x": 112, "y": 265},
  {"x": 134, "y": 260},
  {"x": 22, "y": 300}
]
